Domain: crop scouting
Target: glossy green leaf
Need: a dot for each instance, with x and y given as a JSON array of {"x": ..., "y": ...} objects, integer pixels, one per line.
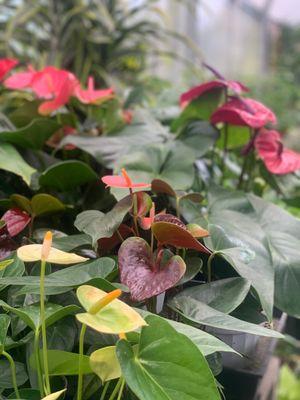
[
  {"x": 71, "y": 242},
  {"x": 31, "y": 314},
  {"x": 187, "y": 375},
  {"x": 5, "y": 374},
  {"x": 12, "y": 271},
  {"x": 224, "y": 295},
  {"x": 32, "y": 136},
  {"x": 99, "y": 225},
  {"x": 11, "y": 161},
  {"x": 4, "y": 324},
  {"x": 115, "y": 317},
  {"x": 64, "y": 363},
  {"x": 21, "y": 202},
  {"x": 5, "y": 263},
  {"x": 67, "y": 175},
  {"x": 200, "y": 313},
  {"x": 193, "y": 267},
  {"x": 27, "y": 394},
  {"x": 237, "y": 136},
  {"x": 205, "y": 342},
  {"x": 43, "y": 203}
]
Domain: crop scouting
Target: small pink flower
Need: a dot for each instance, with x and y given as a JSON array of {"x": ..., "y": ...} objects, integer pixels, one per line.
[
  {"x": 92, "y": 96},
  {"x": 277, "y": 159},
  {"x": 20, "y": 80},
  {"x": 243, "y": 112},
  {"x": 199, "y": 90},
  {"x": 124, "y": 181},
  {"x": 7, "y": 64}
]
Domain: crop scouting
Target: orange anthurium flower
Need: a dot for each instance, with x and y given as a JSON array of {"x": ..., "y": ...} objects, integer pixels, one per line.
[
  {"x": 146, "y": 222},
  {"x": 92, "y": 96},
  {"x": 124, "y": 181}
]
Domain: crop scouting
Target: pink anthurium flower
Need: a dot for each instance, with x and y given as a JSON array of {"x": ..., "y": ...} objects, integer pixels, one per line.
[
  {"x": 7, "y": 64},
  {"x": 199, "y": 90},
  {"x": 277, "y": 159},
  {"x": 124, "y": 181},
  {"x": 244, "y": 112},
  {"x": 91, "y": 95},
  {"x": 20, "y": 80}
]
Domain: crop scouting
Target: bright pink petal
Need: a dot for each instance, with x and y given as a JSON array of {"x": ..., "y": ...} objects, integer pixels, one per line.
[
  {"x": 60, "y": 100},
  {"x": 118, "y": 181},
  {"x": 277, "y": 159},
  {"x": 6, "y": 64},
  {"x": 244, "y": 112},
  {"x": 16, "y": 220},
  {"x": 20, "y": 80},
  {"x": 199, "y": 90},
  {"x": 92, "y": 96}
]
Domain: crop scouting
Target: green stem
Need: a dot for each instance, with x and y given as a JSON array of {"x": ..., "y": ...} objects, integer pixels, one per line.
[
  {"x": 43, "y": 326},
  {"x": 225, "y": 150},
  {"x": 178, "y": 207},
  {"x": 13, "y": 372},
  {"x": 121, "y": 389},
  {"x": 80, "y": 368},
  {"x": 209, "y": 267},
  {"x": 135, "y": 211},
  {"x": 37, "y": 361},
  {"x": 104, "y": 391},
  {"x": 116, "y": 389}
]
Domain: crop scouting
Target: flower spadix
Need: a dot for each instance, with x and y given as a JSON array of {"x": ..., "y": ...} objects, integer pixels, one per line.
[
  {"x": 105, "y": 313},
  {"x": 45, "y": 252}
]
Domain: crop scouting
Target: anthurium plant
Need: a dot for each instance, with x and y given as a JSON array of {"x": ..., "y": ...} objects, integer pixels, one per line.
[{"x": 128, "y": 241}]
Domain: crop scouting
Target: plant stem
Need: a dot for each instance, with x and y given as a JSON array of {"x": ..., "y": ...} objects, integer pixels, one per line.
[
  {"x": 116, "y": 389},
  {"x": 121, "y": 389},
  {"x": 37, "y": 360},
  {"x": 209, "y": 267},
  {"x": 225, "y": 150},
  {"x": 43, "y": 326},
  {"x": 104, "y": 390},
  {"x": 80, "y": 372},
  {"x": 177, "y": 207},
  {"x": 13, "y": 372}
]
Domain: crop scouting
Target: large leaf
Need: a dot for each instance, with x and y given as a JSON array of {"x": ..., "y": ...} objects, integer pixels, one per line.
[
  {"x": 158, "y": 372},
  {"x": 99, "y": 225},
  {"x": 32, "y": 136},
  {"x": 12, "y": 271},
  {"x": 205, "y": 342},
  {"x": 144, "y": 130},
  {"x": 225, "y": 294},
  {"x": 67, "y": 175},
  {"x": 145, "y": 276},
  {"x": 31, "y": 314},
  {"x": 71, "y": 242},
  {"x": 272, "y": 235},
  {"x": 198, "y": 312},
  {"x": 5, "y": 374},
  {"x": 115, "y": 317},
  {"x": 64, "y": 363},
  {"x": 172, "y": 162},
  {"x": 105, "y": 364},
  {"x": 42, "y": 204},
  {"x": 10, "y": 160}
]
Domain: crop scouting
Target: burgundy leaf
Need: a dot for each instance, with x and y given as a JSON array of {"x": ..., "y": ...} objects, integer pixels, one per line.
[
  {"x": 144, "y": 276},
  {"x": 169, "y": 218},
  {"x": 7, "y": 245},
  {"x": 16, "y": 220}
]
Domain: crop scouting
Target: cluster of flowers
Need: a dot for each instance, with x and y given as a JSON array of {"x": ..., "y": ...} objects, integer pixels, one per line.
[
  {"x": 55, "y": 86},
  {"x": 243, "y": 111}
]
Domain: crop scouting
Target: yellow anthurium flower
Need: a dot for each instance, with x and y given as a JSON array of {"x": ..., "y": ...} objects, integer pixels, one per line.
[
  {"x": 54, "y": 396},
  {"x": 44, "y": 252}
]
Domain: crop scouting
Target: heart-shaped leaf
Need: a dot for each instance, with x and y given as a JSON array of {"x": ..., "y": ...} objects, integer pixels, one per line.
[
  {"x": 197, "y": 231},
  {"x": 16, "y": 221},
  {"x": 67, "y": 175},
  {"x": 99, "y": 225},
  {"x": 13, "y": 270},
  {"x": 4, "y": 324},
  {"x": 225, "y": 294},
  {"x": 114, "y": 318},
  {"x": 105, "y": 364},
  {"x": 141, "y": 273},
  {"x": 42, "y": 204},
  {"x": 6, "y": 381},
  {"x": 187, "y": 375},
  {"x": 177, "y": 236},
  {"x": 32, "y": 136},
  {"x": 10, "y": 160}
]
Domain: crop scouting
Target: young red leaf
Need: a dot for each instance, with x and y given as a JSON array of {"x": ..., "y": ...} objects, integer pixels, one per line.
[
  {"x": 16, "y": 221},
  {"x": 144, "y": 276}
]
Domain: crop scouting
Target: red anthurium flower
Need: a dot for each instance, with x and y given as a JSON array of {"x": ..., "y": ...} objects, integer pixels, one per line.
[
  {"x": 16, "y": 220},
  {"x": 20, "y": 80},
  {"x": 127, "y": 116},
  {"x": 199, "y": 90},
  {"x": 6, "y": 64},
  {"x": 92, "y": 96},
  {"x": 277, "y": 159},
  {"x": 124, "y": 181},
  {"x": 146, "y": 222},
  {"x": 243, "y": 112}
]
